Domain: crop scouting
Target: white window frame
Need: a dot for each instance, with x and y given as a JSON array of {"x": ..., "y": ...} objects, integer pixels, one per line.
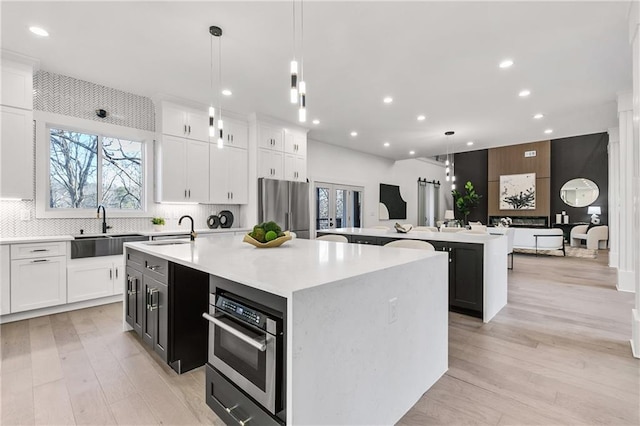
[{"x": 45, "y": 121}]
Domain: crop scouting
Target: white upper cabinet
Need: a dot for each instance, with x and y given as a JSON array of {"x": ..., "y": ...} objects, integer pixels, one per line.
[
  {"x": 270, "y": 137},
  {"x": 295, "y": 143},
  {"x": 229, "y": 175},
  {"x": 295, "y": 167},
  {"x": 182, "y": 172},
  {"x": 16, "y": 153},
  {"x": 235, "y": 133},
  {"x": 16, "y": 138},
  {"x": 178, "y": 120},
  {"x": 17, "y": 85},
  {"x": 270, "y": 164}
]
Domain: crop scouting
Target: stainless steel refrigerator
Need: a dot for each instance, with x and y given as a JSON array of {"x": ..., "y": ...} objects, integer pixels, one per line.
[{"x": 286, "y": 203}]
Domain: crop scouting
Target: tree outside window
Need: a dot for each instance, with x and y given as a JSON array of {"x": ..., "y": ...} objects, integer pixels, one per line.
[{"x": 86, "y": 170}]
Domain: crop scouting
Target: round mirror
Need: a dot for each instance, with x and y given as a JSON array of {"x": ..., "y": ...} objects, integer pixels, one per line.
[{"x": 579, "y": 192}]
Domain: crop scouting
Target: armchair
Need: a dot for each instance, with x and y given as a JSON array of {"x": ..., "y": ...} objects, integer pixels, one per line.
[{"x": 596, "y": 237}]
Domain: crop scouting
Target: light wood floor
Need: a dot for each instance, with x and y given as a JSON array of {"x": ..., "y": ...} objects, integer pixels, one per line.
[{"x": 557, "y": 354}]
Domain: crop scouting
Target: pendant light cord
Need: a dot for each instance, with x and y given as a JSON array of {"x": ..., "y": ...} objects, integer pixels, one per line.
[
  {"x": 211, "y": 69},
  {"x": 220, "y": 77},
  {"x": 293, "y": 10},
  {"x": 302, "y": 40}
]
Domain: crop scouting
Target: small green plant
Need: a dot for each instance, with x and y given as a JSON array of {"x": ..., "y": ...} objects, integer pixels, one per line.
[
  {"x": 157, "y": 220},
  {"x": 464, "y": 203}
]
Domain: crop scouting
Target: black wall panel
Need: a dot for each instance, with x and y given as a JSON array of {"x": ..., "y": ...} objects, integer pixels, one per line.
[
  {"x": 580, "y": 157},
  {"x": 472, "y": 166}
]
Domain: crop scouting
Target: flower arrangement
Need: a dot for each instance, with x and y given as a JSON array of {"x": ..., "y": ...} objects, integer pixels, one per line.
[{"x": 505, "y": 222}]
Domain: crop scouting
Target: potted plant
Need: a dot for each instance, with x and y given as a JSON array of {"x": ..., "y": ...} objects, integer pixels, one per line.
[
  {"x": 158, "y": 223},
  {"x": 465, "y": 202}
]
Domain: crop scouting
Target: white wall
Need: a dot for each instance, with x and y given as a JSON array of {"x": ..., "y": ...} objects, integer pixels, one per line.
[{"x": 333, "y": 164}]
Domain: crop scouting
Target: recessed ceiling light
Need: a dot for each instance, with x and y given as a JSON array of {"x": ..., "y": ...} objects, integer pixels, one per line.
[
  {"x": 227, "y": 92},
  {"x": 387, "y": 100},
  {"x": 421, "y": 118},
  {"x": 411, "y": 152},
  {"x": 386, "y": 144},
  {"x": 354, "y": 133},
  {"x": 39, "y": 31},
  {"x": 524, "y": 93},
  {"x": 548, "y": 131},
  {"x": 316, "y": 121},
  {"x": 469, "y": 143},
  {"x": 506, "y": 63},
  {"x": 538, "y": 116}
]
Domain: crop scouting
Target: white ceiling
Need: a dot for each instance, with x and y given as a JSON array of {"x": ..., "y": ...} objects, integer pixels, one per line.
[{"x": 436, "y": 59}]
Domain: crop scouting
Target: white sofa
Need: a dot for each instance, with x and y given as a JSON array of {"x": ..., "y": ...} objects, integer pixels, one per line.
[
  {"x": 539, "y": 239},
  {"x": 596, "y": 237}
]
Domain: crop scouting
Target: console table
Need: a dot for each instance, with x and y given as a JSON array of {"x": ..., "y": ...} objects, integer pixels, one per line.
[{"x": 566, "y": 228}]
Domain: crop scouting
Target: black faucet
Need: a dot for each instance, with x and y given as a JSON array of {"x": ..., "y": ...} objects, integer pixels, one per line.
[
  {"x": 193, "y": 233},
  {"x": 104, "y": 218}
]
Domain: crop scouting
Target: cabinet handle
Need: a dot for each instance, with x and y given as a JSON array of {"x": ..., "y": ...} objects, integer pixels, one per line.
[
  {"x": 232, "y": 195},
  {"x": 231, "y": 138},
  {"x": 110, "y": 274},
  {"x": 129, "y": 285},
  {"x": 153, "y": 267},
  {"x": 185, "y": 129},
  {"x": 116, "y": 273},
  {"x": 39, "y": 250},
  {"x": 147, "y": 298},
  {"x": 39, "y": 260},
  {"x": 185, "y": 193},
  {"x": 153, "y": 306},
  {"x": 189, "y": 193},
  {"x": 189, "y": 129}
]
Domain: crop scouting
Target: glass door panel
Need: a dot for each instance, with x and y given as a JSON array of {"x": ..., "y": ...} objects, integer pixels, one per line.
[
  {"x": 338, "y": 206},
  {"x": 323, "y": 207}
]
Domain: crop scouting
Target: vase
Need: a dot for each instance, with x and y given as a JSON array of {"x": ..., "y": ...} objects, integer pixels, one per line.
[{"x": 158, "y": 228}]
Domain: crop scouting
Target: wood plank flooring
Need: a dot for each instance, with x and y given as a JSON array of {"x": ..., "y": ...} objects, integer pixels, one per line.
[{"x": 557, "y": 354}]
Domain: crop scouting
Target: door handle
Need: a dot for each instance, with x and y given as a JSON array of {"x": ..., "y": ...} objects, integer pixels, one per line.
[{"x": 261, "y": 346}]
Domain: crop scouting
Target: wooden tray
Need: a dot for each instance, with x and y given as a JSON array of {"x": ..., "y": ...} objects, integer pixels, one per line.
[{"x": 273, "y": 243}]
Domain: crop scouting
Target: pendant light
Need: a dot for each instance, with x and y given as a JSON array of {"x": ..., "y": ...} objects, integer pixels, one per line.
[
  {"x": 302, "y": 87},
  {"x": 294, "y": 64},
  {"x": 216, "y": 32},
  {"x": 449, "y": 162}
]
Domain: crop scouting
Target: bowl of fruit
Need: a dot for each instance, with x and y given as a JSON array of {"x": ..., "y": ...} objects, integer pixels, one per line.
[{"x": 267, "y": 235}]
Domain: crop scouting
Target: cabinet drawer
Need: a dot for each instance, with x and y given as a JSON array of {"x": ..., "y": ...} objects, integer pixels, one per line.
[
  {"x": 364, "y": 239},
  {"x": 135, "y": 259},
  {"x": 156, "y": 268},
  {"x": 34, "y": 250},
  {"x": 231, "y": 405}
]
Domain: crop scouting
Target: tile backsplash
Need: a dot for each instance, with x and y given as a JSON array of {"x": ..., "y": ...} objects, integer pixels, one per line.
[{"x": 12, "y": 224}]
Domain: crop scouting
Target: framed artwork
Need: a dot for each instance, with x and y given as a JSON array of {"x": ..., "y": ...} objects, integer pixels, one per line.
[
  {"x": 518, "y": 192},
  {"x": 391, "y": 206}
]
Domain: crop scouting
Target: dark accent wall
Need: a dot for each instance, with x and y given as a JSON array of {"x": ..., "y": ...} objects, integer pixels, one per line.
[
  {"x": 472, "y": 166},
  {"x": 580, "y": 157}
]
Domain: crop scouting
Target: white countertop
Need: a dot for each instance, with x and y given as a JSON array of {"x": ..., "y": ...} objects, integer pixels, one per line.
[
  {"x": 455, "y": 237},
  {"x": 296, "y": 265},
  {"x": 181, "y": 231}
]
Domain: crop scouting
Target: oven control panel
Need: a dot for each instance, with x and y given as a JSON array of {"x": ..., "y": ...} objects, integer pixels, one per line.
[{"x": 242, "y": 312}]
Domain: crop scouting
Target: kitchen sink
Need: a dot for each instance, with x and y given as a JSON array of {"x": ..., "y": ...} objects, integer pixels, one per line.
[{"x": 101, "y": 245}]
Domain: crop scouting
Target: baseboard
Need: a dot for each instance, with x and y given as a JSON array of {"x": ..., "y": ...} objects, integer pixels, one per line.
[
  {"x": 19, "y": 316},
  {"x": 613, "y": 259},
  {"x": 635, "y": 333},
  {"x": 626, "y": 281}
]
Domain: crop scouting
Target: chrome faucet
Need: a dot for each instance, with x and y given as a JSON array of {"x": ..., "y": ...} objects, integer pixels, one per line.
[
  {"x": 104, "y": 218},
  {"x": 193, "y": 232}
]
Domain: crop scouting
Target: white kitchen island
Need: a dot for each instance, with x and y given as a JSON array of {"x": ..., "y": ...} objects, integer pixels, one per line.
[
  {"x": 352, "y": 357},
  {"x": 478, "y": 264}
]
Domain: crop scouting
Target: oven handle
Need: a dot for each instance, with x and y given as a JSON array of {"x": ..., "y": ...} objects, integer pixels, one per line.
[{"x": 261, "y": 346}]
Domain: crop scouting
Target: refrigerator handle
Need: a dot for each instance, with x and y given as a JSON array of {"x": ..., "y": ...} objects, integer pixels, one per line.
[{"x": 286, "y": 221}]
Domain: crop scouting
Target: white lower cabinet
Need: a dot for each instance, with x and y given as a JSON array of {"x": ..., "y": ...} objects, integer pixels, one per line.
[
  {"x": 5, "y": 280},
  {"x": 93, "y": 278},
  {"x": 38, "y": 283}
]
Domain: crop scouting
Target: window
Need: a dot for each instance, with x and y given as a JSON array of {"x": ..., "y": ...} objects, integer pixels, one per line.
[{"x": 88, "y": 169}]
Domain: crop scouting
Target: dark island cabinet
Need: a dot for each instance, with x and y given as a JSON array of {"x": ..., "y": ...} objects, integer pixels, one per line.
[
  {"x": 146, "y": 304},
  {"x": 465, "y": 276},
  {"x": 164, "y": 305}
]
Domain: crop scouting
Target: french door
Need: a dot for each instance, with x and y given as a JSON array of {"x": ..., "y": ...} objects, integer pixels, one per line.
[{"x": 338, "y": 206}]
